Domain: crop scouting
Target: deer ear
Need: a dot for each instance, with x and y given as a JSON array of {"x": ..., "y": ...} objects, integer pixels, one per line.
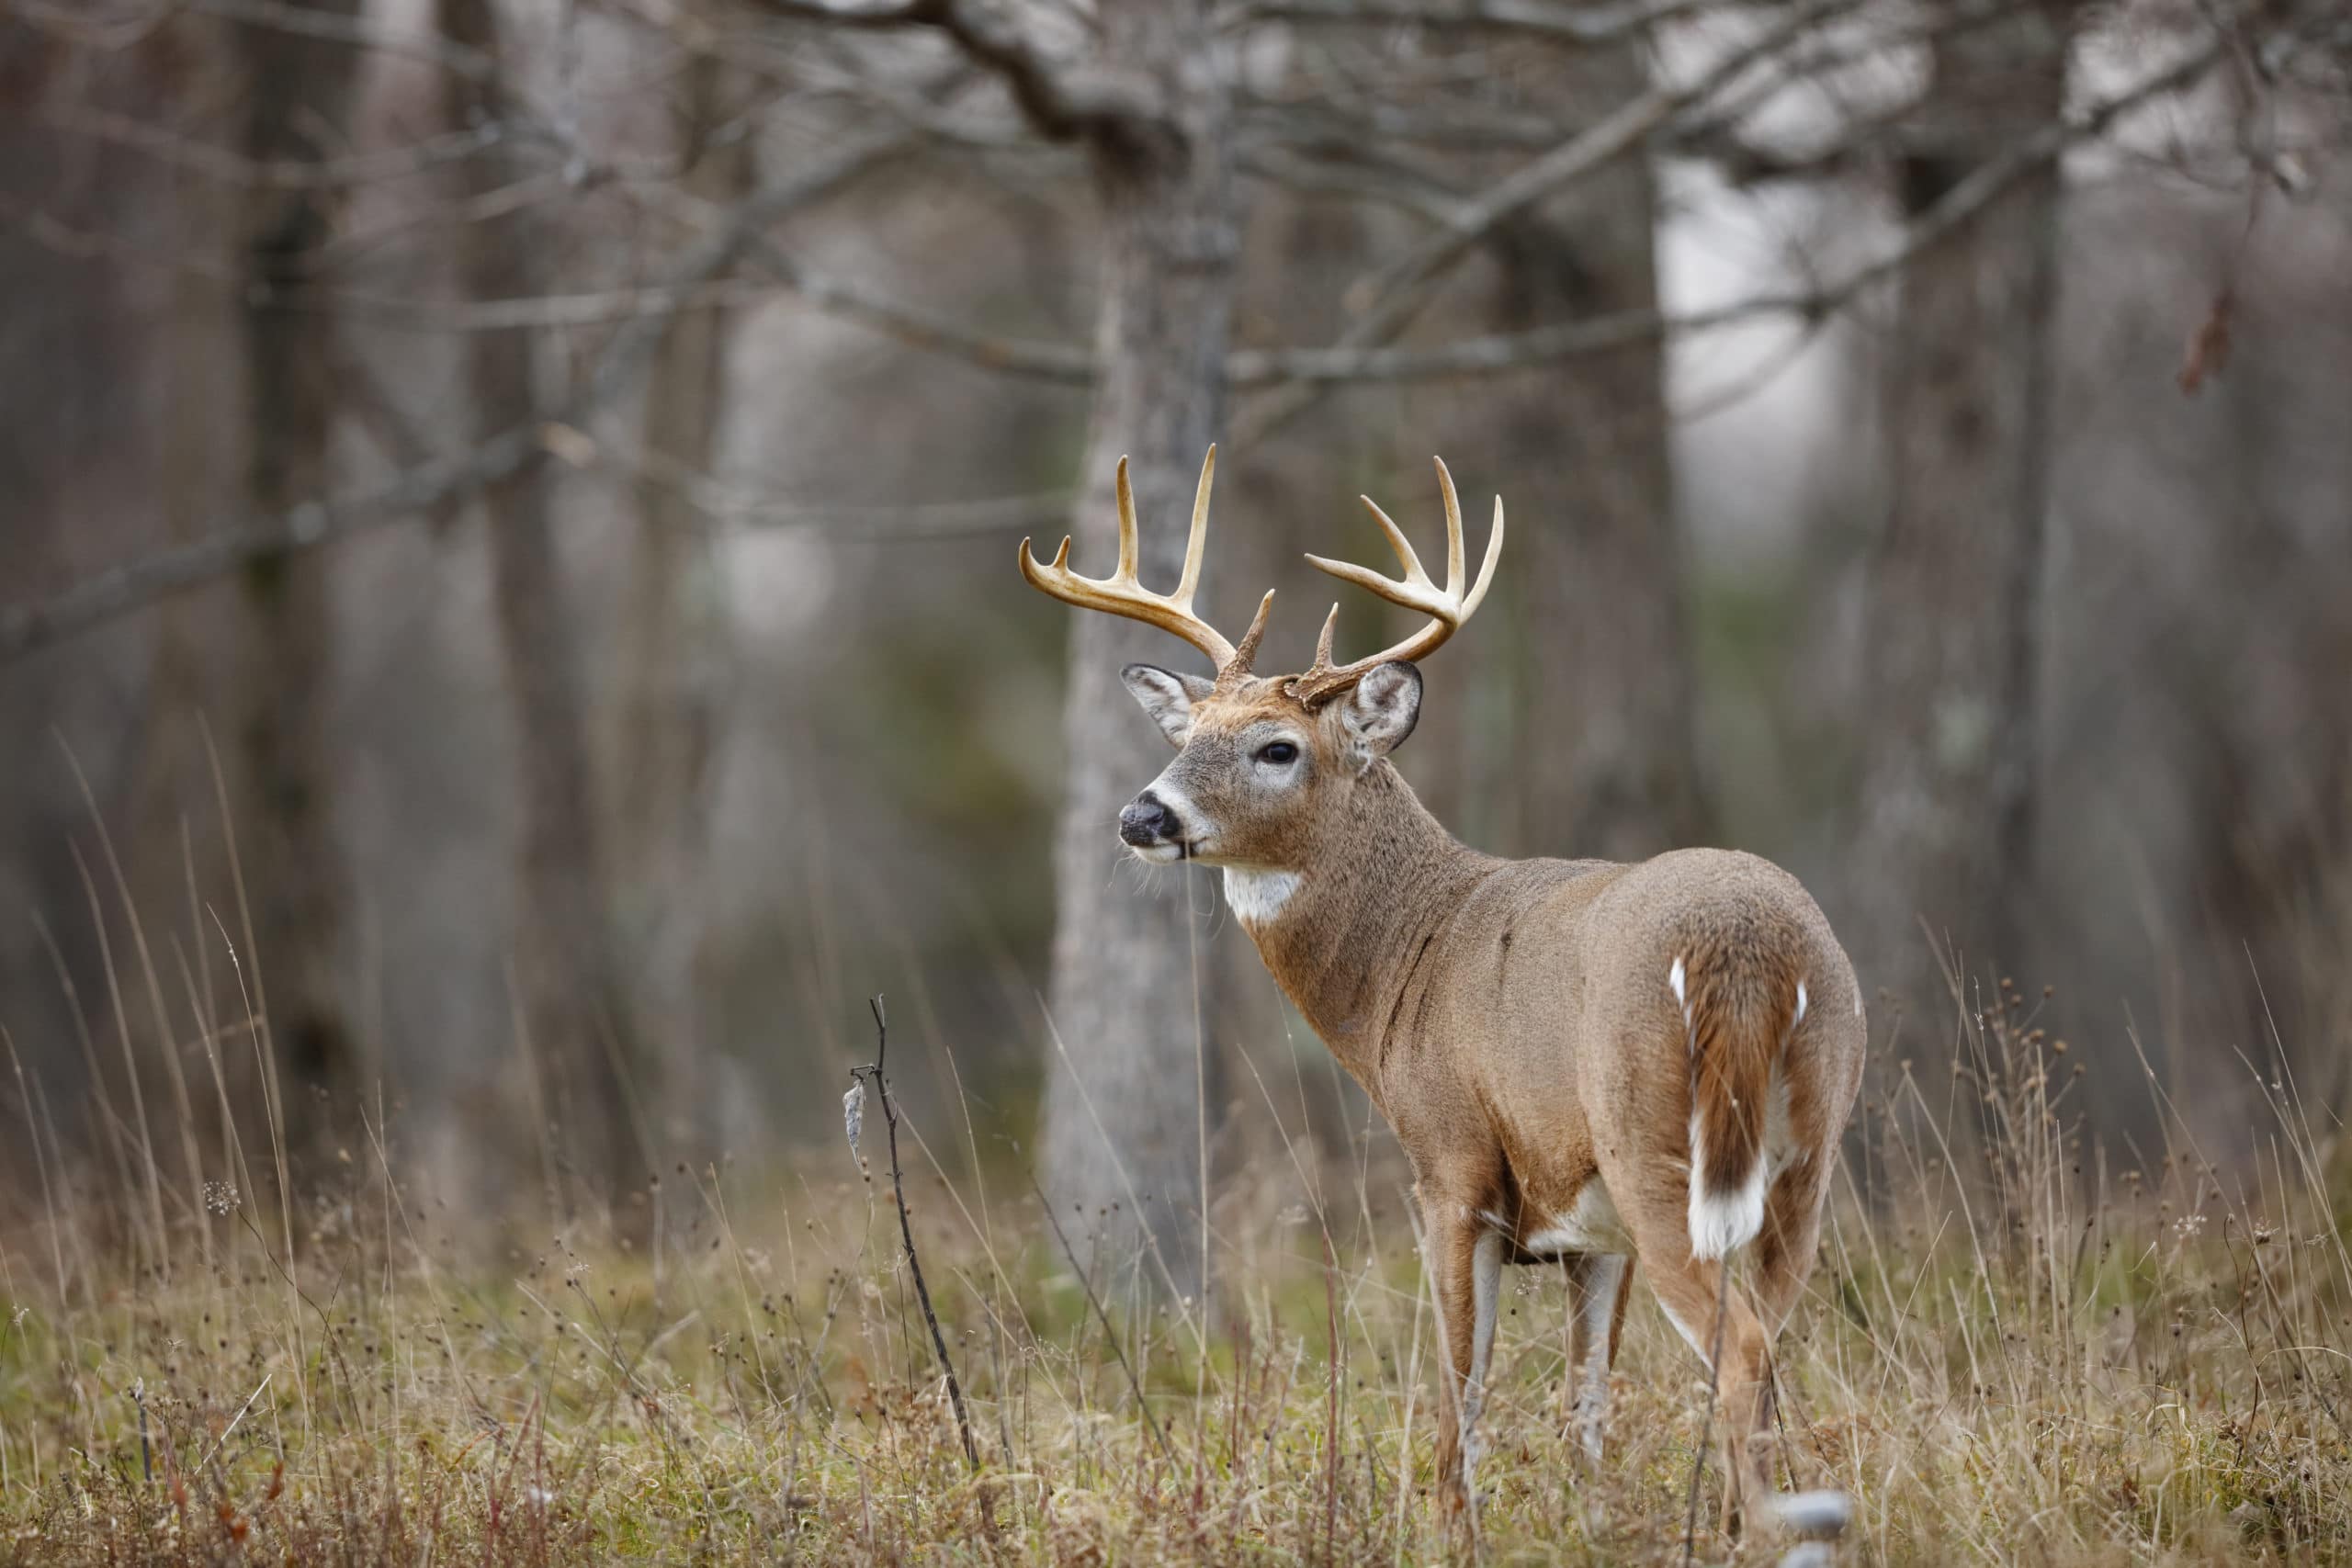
[
  {"x": 1168, "y": 697},
  {"x": 1382, "y": 711}
]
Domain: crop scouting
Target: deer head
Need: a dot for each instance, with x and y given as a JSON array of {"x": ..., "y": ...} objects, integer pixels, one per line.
[{"x": 1263, "y": 761}]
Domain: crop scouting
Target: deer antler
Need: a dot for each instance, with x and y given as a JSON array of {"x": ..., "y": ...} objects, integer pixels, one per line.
[
  {"x": 1121, "y": 594},
  {"x": 1447, "y": 609}
]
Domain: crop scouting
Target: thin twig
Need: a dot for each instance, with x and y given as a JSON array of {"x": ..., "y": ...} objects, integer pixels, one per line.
[
  {"x": 906, "y": 1225},
  {"x": 138, "y": 1398}
]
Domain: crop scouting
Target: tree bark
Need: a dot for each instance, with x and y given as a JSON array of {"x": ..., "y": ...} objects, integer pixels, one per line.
[
  {"x": 298, "y": 99},
  {"x": 674, "y": 672},
  {"x": 1950, "y": 691},
  {"x": 1607, "y": 765},
  {"x": 573, "y": 1007},
  {"x": 1122, "y": 1118}
]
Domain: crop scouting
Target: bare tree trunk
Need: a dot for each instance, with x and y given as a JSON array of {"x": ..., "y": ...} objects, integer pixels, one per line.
[
  {"x": 298, "y": 99},
  {"x": 1605, "y": 691},
  {"x": 675, "y": 671},
  {"x": 1950, "y": 691},
  {"x": 1122, "y": 1133},
  {"x": 573, "y": 1006}
]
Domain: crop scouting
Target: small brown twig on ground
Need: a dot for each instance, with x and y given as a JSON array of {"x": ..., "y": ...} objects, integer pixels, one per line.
[{"x": 906, "y": 1226}]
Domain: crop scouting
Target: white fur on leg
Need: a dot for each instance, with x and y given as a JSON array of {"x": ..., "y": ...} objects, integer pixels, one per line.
[
  {"x": 1486, "y": 1295},
  {"x": 1823, "y": 1516},
  {"x": 1690, "y": 1334},
  {"x": 1596, "y": 1317}
]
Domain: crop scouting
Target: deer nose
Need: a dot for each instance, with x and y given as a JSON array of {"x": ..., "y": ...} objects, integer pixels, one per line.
[{"x": 1147, "y": 820}]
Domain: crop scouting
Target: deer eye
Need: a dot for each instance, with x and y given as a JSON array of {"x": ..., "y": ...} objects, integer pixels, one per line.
[{"x": 1281, "y": 753}]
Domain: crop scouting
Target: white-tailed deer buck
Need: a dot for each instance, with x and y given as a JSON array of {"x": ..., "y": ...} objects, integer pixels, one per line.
[{"x": 1584, "y": 1061}]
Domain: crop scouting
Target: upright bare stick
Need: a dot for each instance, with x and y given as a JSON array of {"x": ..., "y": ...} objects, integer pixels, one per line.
[{"x": 906, "y": 1226}]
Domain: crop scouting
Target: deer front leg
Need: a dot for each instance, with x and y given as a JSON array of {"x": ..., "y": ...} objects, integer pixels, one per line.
[{"x": 1464, "y": 1257}]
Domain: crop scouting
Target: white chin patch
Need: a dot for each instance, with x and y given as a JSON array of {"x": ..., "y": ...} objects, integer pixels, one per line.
[
  {"x": 1157, "y": 854},
  {"x": 1257, "y": 896}
]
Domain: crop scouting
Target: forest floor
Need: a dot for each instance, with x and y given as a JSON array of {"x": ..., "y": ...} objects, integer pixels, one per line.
[{"x": 2029, "y": 1353}]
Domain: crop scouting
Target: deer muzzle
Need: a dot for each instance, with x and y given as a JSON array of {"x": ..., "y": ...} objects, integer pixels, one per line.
[{"x": 1148, "y": 823}]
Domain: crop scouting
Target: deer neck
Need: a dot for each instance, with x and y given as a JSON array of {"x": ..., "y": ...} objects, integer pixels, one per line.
[{"x": 1343, "y": 931}]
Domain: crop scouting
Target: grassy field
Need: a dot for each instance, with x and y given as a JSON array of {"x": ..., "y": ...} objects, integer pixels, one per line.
[{"x": 2016, "y": 1348}]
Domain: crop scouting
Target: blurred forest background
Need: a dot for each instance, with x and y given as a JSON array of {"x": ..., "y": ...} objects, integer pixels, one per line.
[{"x": 507, "y": 608}]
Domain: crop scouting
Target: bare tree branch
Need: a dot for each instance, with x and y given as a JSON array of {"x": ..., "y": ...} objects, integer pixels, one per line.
[
  {"x": 1352, "y": 358},
  {"x": 1582, "y": 25},
  {"x": 1401, "y": 189},
  {"x": 1507, "y": 352},
  {"x": 1065, "y": 100},
  {"x": 170, "y": 147},
  {"x": 1317, "y": 123},
  {"x": 732, "y": 506},
  {"x": 335, "y": 27},
  {"x": 25, "y": 628},
  {"x": 1535, "y": 181},
  {"x": 1399, "y": 290},
  {"x": 416, "y": 491},
  {"x": 1398, "y": 286}
]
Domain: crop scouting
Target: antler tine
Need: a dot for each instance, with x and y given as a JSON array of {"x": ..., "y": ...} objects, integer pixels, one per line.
[
  {"x": 1486, "y": 567},
  {"x": 1447, "y": 610},
  {"x": 1411, "y": 561},
  {"x": 1422, "y": 596},
  {"x": 1244, "y": 654},
  {"x": 1453, "y": 530},
  {"x": 1122, "y": 594},
  {"x": 1196, "y": 543},
  {"x": 1130, "y": 551}
]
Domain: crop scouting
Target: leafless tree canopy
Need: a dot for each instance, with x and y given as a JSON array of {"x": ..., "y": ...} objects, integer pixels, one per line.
[{"x": 506, "y": 597}]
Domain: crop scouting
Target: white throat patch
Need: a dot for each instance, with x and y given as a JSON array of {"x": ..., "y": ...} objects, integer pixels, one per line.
[{"x": 1257, "y": 897}]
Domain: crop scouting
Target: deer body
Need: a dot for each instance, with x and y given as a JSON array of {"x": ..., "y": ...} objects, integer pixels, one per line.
[{"x": 1584, "y": 1061}]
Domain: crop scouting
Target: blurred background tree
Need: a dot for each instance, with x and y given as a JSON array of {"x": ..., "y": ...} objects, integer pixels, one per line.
[{"x": 568, "y": 454}]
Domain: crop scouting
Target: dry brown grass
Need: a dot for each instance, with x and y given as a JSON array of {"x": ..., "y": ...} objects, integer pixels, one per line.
[{"x": 2014, "y": 1350}]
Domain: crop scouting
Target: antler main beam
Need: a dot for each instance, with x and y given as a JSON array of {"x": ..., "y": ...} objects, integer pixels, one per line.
[
  {"x": 1122, "y": 594},
  {"x": 1448, "y": 608}
]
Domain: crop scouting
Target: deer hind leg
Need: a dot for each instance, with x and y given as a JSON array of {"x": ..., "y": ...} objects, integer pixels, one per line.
[
  {"x": 1599, "y": 1284},
  {"x": 1783, "y": 1262},
  {"x": 1784, "y": 1250},
  {"x": 1736, "y": 1351},
  {"x": 1464, "y": 1257}
]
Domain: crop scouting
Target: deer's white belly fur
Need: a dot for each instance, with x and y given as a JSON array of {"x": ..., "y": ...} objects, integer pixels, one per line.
[{"x": 1591, "y": 1224}]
